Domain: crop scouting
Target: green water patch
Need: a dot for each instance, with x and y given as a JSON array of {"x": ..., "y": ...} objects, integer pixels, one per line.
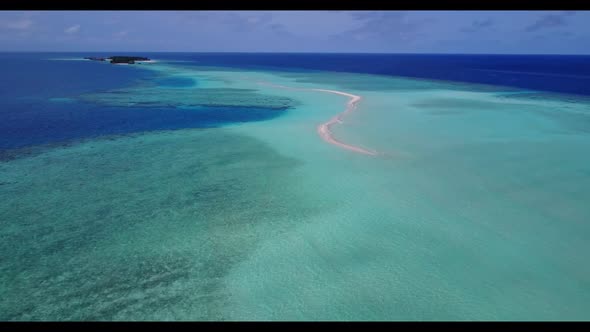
[
  {"x": 467, "y": 104},
  {"x": 368, "y": 82},
  {"x": 35, "y": 150},
  {"x": 176, "y": 82},
  {"x": 455, "y": 103},
  {"x": 547, "y": 115},
  {"x": 140, "y": 228},
  {"x": 546, "y": 96},
  {"x": 208, "y": 97},
  {"x": 571, "y": 121},
  {"x": 570, "y": 112},
  {"x": 7, "y": 155},
  {"x": 441, "y": 106}
]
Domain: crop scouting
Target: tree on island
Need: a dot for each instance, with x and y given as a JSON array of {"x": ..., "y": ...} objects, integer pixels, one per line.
[
  {"x": 127, "y": 59},
  {"x": 119, "y": 59}
]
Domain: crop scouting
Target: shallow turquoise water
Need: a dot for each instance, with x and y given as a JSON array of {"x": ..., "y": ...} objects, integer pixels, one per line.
[{"x": 476, "y": 210}]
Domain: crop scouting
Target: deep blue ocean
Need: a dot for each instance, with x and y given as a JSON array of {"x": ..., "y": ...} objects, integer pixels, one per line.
[
  {"x": 38, "y": 105},
  {"x": 555, "y": 73},
  {"x": 32, "y": 110}
]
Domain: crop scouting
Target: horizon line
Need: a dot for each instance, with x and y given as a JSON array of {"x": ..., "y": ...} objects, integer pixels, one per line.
[{"x": 271, "y": 52}]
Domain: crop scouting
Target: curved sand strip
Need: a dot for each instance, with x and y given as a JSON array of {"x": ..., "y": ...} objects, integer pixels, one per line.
[{"x": 324, "y": 128}]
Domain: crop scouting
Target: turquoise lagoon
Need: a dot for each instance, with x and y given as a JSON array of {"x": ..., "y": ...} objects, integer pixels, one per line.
[{"x": 476, "y": 207}]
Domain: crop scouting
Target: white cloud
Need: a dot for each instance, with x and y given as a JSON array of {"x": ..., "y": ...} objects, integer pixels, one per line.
[
  {"x": 22, "y": 24},
  {"x": 73, "y": 29}
]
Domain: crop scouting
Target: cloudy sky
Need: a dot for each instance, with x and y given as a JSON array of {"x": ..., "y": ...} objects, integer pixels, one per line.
[{"x": 298, "y": 31}]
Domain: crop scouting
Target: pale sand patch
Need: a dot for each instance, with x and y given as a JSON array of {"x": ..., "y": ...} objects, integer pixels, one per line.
[{"x": 324, "y": 128}]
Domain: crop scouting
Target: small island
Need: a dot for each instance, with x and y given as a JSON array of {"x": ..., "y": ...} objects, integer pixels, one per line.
[
  {"x": 95, "y": 58},
  {"x": 119, "y": 59}
]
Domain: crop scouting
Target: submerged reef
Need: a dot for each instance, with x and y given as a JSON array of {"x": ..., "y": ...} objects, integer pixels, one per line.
[
  {"x": 170, "y": 97},
  {"x": 130, "y": 249}
]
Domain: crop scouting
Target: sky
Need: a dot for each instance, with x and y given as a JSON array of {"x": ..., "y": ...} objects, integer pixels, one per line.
[{"x": 505, "y": 32}]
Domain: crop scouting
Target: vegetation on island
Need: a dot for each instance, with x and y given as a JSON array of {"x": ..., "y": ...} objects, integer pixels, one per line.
[
  {"x": 119, "y": 59},
  {"x": 94, "y": 58}
]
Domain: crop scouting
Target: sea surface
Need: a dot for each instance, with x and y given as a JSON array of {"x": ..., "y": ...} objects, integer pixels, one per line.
[{"x": 197, "y": 187}]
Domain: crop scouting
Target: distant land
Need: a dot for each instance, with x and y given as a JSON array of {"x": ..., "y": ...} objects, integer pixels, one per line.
[{"x": 119, "y": 59}]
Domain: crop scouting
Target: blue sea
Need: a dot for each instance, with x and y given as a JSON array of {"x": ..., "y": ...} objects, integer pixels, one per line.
[
  {"x": 38, "y": 106},
  {"x": 36, "y": 90},
  {"x": 199, "y": 187},
  {"x": 556, "y": 73}
]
